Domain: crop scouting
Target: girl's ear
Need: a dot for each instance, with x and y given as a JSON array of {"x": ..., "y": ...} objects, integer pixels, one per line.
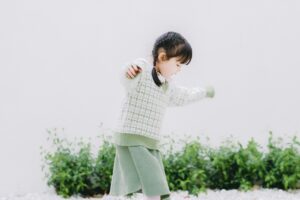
[{"x": 162, "y": 56}]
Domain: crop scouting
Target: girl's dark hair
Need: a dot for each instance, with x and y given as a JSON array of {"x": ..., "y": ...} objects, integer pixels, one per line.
[{"x": 174, "y": 45}]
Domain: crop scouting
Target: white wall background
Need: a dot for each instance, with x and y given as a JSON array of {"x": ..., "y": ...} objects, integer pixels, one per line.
[{"x": 59, "y": 63}]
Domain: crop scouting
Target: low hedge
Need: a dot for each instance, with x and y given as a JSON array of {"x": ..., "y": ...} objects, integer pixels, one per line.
[{"x": 194, "y": 168}]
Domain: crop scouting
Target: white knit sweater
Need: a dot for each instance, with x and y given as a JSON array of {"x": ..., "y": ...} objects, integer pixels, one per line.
[{"x": 145, "y": 102}]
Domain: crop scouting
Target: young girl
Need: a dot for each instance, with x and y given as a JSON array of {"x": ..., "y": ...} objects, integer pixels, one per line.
[{"x": 138, "y": 165}]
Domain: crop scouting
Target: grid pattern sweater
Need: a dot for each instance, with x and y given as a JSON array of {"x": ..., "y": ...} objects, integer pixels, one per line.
[{"x": 145, "y": 103}]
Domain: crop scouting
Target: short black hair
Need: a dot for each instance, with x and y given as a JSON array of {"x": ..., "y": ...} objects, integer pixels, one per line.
[{"x": 175, "y": 45}]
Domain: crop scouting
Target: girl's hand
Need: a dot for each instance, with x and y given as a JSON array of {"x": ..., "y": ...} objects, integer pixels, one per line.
[
  {"x": 132, "y": 71},
  {"x": 210, "y": 91}
]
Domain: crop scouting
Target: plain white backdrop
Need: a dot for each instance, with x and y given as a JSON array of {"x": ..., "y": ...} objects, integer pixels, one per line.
[{"x": 60, "y": 61}]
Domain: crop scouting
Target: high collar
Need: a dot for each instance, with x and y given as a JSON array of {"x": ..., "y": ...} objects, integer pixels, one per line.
[{"x": 158, "y": 78}]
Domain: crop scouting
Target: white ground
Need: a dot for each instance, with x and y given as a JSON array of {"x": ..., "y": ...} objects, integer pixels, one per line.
[{"x": 258, "y": 194}]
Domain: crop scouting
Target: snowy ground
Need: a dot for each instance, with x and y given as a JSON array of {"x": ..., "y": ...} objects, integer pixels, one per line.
[{"x": 259, "y": 194}]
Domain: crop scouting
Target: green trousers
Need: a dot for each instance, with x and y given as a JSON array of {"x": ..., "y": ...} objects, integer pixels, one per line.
[{"x": 138, "y": 169}]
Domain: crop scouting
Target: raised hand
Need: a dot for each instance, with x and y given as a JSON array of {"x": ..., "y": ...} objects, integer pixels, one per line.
[
  {"x": 210, "y": 91},
  {"x": 132, "y": 71}
]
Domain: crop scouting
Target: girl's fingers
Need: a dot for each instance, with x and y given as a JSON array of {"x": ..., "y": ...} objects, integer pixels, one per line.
[
  {"x": 129, "y": 74},
  {"x": 136, "y": 68},
  {"x": 132, "y": 71}
]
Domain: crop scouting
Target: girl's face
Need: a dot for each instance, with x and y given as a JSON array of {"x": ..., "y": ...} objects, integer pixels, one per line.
[{"x": 168, "y": 68}]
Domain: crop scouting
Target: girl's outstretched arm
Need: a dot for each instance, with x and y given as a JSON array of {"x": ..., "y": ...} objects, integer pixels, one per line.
[{"x": 180, "y": 96}]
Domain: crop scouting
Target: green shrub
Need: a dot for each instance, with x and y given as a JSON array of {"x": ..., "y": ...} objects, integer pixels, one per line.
[
  {"x": 232, "y": 166},
  {"x": 222, "y": 167},
  {"x": 185, "y": 169},
  {"x": 282, "y": 165},
  {"x": 103, "y": 168},
  {"x": 70, "y": 171},
  {"x": 193, "y": 168},
  {"x": 250, "y": 168}
]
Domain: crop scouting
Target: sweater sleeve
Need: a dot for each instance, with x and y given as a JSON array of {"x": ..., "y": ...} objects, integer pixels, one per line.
[
  {"x": 130, "y": 83},
  {"x": 180, "y": 96}
]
